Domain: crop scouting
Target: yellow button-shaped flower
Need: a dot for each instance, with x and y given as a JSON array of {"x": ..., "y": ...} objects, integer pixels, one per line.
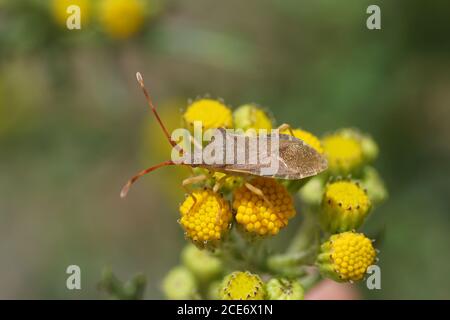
[
  {"x": 211, "y": 113},
  {"x": 206, "y": 218},
  {"x": 345, "y": 205},
  {"x": 122, "y": 18},
  {"x": 346, "y": 256},
  {"x": 344, "y": 152},
  {"x": 242, "y": 286},
  {"x": 256, "y": 215}
]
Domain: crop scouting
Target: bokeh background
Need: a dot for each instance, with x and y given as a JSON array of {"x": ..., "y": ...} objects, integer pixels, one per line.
[{"x": 74, "y": 126}]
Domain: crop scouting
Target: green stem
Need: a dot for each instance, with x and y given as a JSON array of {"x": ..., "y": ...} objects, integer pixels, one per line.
[
  {"x": 310, "y": 280},
  {"x": 306, "y": 235},
  {"x": 288, "y": 260}
]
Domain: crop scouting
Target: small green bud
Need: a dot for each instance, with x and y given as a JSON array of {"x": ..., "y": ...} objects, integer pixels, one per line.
[
  {"x": 284, "y": 289},
  {"x": 201, "y": 263},
  {"x": 311, "y": 193},
  {"x": 374, "y": 185},
  {"x": 369, "y": 147},
  {"x": 250, "y": 116},
  {"x": 179, "y": 284}
]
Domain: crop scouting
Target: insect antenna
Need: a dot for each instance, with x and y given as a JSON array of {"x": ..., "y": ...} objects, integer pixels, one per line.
[
  {"x": 150, "y": 103},
  {"x": 127, "y": 186}
]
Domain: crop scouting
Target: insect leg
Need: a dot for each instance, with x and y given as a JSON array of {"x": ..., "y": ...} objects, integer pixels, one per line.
[
  {"x": 219, "y": 183},
  {"x": 285, "y": 127},
  {"x": 258, "y": 192},
  {"x": 192, "y": 180}
]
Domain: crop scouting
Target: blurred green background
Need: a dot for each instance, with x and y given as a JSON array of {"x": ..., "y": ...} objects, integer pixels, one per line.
[{"x": 74, "y": 126}]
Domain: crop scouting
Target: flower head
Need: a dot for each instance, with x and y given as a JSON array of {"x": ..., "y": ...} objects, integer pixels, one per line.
[
  {"x": 284, "y": 289},
  {"x": 250, "y": 116},
  {"x": 242, "y": 286},
  {"x": 346, "y": 256},
  {"x": 205, "y": 216},
  {"x": 345, "y": 205},
  {"x": 256, "y": 215},
  {"x": 211, "y": 113},
  {"x": 368, "y": 144},
  {"x": 122, "y": 18},
  {"x": 307, "y": 137},
  {"x": 344, "y": 152},
  {"x": 376, "y": 190}
]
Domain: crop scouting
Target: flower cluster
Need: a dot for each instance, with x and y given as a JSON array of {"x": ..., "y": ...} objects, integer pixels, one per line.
[{"x": 227, "y": 217}]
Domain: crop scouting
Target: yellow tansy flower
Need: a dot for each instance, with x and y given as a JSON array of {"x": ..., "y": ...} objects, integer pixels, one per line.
[
  {"x": 207, "y": 221},
  {"x": 242, "y": 286},
  {"x": 345, "y": 205},
  {"x": 211, "y": 113},
  {"x": 122, "y": 18},
  {"x": 344, "y": 152},
  {"x": 346, "y": 256},
  {"x": 257, "y": 216}
]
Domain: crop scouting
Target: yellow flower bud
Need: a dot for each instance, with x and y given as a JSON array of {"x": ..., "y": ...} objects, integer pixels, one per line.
[
  {"x": 122, "y": 18},
  {"x": 344, "y": 152},
  {"x": 346, "y": 256},
  {"x": 211, "y": 113},
  {"x": 206, "y": 218},
  {"x": 242, "y": 286},
  {"x": 345, "y": 205},
  {"x": 258, "y": 217}
]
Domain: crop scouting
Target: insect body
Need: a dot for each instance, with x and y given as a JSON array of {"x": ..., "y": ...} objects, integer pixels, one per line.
[{"x": 294, "y": 159}]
